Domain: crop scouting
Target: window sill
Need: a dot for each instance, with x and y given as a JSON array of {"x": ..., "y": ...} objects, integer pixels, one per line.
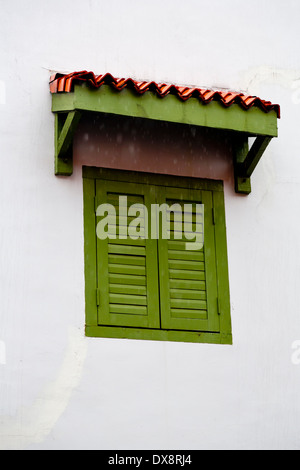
[{"x": 158, "y": 335}]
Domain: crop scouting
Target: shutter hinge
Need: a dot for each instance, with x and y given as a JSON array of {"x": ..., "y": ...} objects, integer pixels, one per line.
[{"x": 98, "y": 297}]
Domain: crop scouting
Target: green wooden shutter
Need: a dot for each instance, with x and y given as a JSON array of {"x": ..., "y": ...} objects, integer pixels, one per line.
[
  {"x": 155, "y": 288},
  {"x": 188, "y": 284},
  {"x": 128, "y": 293}
]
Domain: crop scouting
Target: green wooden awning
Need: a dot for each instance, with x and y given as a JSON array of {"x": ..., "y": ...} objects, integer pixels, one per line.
[{"x": 257, "y": 120}]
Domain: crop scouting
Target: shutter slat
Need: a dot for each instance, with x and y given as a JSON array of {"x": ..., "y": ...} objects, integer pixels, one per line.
[
  {"x": 127, "y": 289},
  {"x": 120, "y": 259},
  {"x": 187, "y": 284},
  {"x": 187, "y": 294},
  {"x": 127, "y": 279},
  {"x": 125, "y": 259},
  {"x": 189, "y": 304},
  {"x": 179, "y": 245},
  {"x": 183, "y": 264},
  {"x": 126, "y": 269},
  {"x": 113, "y": 230},
  {"x": 188, "y": 314},
  {"x": 186, "y": 275},
  {"x": 122, "y": 249},
  {"x": 185, "y": 255},
  {"x": 123, "y": 220},
  {"x": 127, "y": 310},
  {"x": 128, "y": 299}
]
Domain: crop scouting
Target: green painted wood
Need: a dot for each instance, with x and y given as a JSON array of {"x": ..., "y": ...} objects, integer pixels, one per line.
[
  {"x": 243, "y": 123},
  {"x": 246, "y": 160},
  {"x": 65, "y": 127},
  {"x": 186, "y": 274},
  {"x": 132, "y": 268},
  {"x": 254, "y": 155},
  {"x": 63, "y": 102},
  {"x": 129, "y": 310},
  {"x": 128, "y": 248},
  {"x": 185, "y": 255},
  {"x": 123, "y": 299},
  {"x": 187, "y": 284},
  {"x": 188, "y": 312},
  {"x": 62, "y": 166},
  {"x": 171, "y": 109},
  {"x": 127, "y": 289},
  {"x": 158, "y": 335},
  {"x": 66, "y": 135},
  {"x": 186, "y": 264},
  {"x": 240, "y": 152},
  {"x": 123, "y": 259},
  {"x": 139, "y": 245},
  {"x": 151, "y": 179},
  {"x": 127, "y": 269},
  {"x": 128, "y": 299},
  {"x": 90, "y": 252},
  {"x": 223, "y": 291},
  {"x": 188, "y": 304},
  {"x": 189, "y": 294},
  {"x": 210, "y": 261},
  {"x": 127, "y": 280}
]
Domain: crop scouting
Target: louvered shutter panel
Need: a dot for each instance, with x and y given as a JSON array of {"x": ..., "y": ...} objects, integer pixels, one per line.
[
  {"x": 188, "y": 287},
  {"x": 128, "y": 293}
]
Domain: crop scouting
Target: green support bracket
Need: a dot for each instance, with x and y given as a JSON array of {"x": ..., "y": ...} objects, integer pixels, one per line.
[
  {"x": 65, "y": 127},
  {"x": 242, "y": 183},
  {"x": 245, "y": 160}
]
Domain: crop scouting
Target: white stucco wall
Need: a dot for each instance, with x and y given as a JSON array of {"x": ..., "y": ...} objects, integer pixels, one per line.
[{"x": 60, "y": 390}]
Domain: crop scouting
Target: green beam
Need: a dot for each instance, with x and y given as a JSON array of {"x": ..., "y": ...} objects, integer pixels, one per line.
[{"x": 171, "y": 109}]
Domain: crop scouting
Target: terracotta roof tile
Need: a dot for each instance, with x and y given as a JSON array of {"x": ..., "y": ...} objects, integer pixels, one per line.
[{"x": 64, "y": 83}]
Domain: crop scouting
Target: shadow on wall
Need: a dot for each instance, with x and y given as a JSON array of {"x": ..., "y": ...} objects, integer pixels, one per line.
[{"x": 113, "y": 141}]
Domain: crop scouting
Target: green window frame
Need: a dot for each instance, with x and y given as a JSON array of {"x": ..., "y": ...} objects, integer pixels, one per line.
[{"x": 153, "y": 288}]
